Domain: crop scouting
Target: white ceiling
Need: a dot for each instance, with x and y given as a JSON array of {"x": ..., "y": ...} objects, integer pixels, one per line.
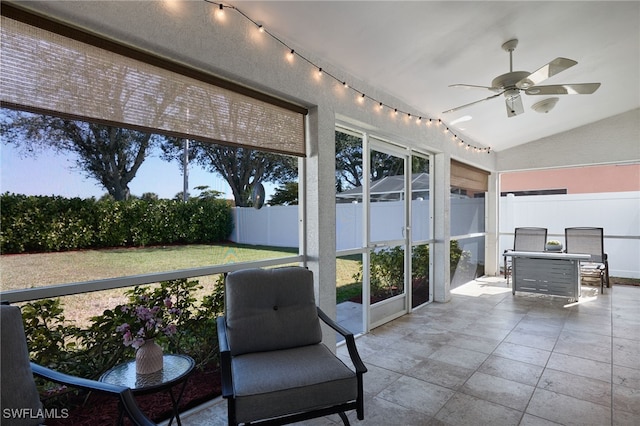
[{"x": 414, "y": 50}]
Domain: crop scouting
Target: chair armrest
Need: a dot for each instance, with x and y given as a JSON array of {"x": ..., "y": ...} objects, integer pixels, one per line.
[
  {"x": 348, "y": 336},
  {"x": 225, "y": 358},
  {"x": 123, "y": 393}
]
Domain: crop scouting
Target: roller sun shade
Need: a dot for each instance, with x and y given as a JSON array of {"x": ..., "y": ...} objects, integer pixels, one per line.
[
  {"x": 468, "y": 177},
  {"x": 44, "y": 71}
]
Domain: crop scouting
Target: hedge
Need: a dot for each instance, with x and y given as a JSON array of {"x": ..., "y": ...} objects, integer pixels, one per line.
[{"x": 53, "y": 223}]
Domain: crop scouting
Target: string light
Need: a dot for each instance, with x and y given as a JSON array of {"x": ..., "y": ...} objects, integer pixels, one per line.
[
  {"x": 362, "y": 97},
  {"x": 219, "y": 13}
]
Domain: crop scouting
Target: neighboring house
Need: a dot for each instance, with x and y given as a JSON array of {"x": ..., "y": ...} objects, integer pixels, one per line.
[{"x": 574, "y": 180}]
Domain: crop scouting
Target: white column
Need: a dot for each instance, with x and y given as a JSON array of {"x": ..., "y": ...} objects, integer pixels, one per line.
[
  {"x": 492, "y": 257},
  {"x": 442, "y": 229},
  {"x": 320, "y": 233}
]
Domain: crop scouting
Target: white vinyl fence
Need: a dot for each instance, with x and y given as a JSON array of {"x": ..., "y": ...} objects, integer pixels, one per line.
[{"x": 618, "y": 213}]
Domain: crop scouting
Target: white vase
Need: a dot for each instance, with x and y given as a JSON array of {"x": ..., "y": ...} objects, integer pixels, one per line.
[{"x": 149, "y": 357}]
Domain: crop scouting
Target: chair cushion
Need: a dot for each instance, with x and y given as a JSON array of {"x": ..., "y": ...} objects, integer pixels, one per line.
[
  {"x": 18, "y": 389},
  {"x": 277, "y": 383},
  {"x": 271, "y": 309}
]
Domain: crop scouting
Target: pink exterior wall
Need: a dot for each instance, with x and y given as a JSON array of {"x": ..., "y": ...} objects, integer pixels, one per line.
[{"x": 577, "y": 180}]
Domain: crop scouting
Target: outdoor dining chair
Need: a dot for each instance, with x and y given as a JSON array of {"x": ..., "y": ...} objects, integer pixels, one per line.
[
  {"x": 19, "y": 395},
  {"x": 525, "y": 239},
  {"x": 275, "y": 369},
  {"x": 587, "y": 240}
]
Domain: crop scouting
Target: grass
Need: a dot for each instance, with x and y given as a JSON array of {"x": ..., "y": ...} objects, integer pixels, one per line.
[{"x": 41, "y": 269}]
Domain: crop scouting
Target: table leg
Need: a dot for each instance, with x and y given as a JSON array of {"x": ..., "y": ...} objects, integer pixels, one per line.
[
  {"x": 175, "y": 402},
  {"x": 120, "y": 414}
]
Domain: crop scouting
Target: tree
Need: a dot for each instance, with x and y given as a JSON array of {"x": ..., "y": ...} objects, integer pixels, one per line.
[
  {"x": 348, "y": 161},
  {"x": 242, "y": 168},
  {"x": 286, "y": 195},
  {"x": 111, "y": 155}
]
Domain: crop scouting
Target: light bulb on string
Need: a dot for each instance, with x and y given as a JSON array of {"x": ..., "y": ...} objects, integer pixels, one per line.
[{"x": 219, "y": 13}]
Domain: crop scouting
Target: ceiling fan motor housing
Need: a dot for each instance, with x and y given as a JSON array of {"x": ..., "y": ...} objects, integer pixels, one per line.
[{"x": 509, "y": 80}]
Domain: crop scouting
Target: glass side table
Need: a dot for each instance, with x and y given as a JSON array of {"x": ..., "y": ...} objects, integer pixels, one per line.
[{"x": 176, "y": 369}]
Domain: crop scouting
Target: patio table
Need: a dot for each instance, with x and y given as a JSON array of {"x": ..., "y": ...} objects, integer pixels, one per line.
[
  {"x": 550, "y": 273},
  {"x": 176, "y": 369}
]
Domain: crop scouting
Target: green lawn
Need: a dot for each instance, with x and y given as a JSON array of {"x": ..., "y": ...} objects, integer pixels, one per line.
[{"x": 42, "y": 269}]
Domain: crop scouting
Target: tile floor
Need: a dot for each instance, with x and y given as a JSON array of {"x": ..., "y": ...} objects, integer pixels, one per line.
[{"x": 490, "y": 358}]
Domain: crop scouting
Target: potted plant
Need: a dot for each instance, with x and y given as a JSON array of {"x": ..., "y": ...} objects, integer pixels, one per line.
[
  {"x": 553, "y": 245},
  {"x": 145, "y": 319}
]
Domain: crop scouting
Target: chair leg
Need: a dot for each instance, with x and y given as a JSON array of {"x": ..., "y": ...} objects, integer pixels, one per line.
[{"x": 345, "y": 419}]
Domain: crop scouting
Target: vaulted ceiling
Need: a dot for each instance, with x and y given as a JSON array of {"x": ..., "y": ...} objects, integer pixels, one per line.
[{"x": 415, "y": 50}]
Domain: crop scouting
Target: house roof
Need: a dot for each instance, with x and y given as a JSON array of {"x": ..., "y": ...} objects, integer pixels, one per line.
[{"x": 390, "y": 187}]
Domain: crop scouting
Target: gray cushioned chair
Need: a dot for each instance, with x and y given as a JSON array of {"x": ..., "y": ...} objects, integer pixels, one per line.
[
  {"x": 275, "y": 369},
  {"x": 18, "y": 388}
]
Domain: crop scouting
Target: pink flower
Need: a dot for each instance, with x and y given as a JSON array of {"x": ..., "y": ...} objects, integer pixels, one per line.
[{"x": 145, "y": 322}]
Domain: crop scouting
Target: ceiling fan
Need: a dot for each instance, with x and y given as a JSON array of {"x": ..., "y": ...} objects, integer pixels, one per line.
[{"x": 512, "y": 83}]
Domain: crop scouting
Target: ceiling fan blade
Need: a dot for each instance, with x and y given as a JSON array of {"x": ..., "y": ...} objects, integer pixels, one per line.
[
  {"x": 472, "y": 103},
  {"x": 564, "y": 89},
  {"x": 473, "y": 86},
  {"x": 552, "y": 68},
  {"x": 514, "y": 106}
]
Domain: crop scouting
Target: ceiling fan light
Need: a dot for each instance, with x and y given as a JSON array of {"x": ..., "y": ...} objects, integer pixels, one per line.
[{"x": 545, "y": 105}]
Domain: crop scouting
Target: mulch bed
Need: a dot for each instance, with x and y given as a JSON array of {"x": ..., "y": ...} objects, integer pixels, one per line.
[
  {"x": 419, "y": 291},
  {"x": 100, "y": 409},
  {"x": 624, "y": 281}
]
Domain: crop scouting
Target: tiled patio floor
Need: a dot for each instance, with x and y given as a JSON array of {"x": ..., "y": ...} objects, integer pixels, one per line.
[{"x": 490, "y": 358}]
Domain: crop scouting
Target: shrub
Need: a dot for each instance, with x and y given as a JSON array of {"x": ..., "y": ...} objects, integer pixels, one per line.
[
  {"x": 44, "y": 224},
  {"x": 55, "y": 343},
  {"x": 387, "y": 268}
]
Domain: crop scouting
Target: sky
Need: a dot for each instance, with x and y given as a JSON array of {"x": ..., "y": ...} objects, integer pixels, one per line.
[{"x": 54, "y": 174}]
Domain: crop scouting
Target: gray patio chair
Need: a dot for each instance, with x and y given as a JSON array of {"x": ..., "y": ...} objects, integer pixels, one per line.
[
  {"x": 275, "y": 369},
  {"x": 19, "y": 395},
  {"x": 525, "y": 239},
  {"x": 586, "y": 240}
]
